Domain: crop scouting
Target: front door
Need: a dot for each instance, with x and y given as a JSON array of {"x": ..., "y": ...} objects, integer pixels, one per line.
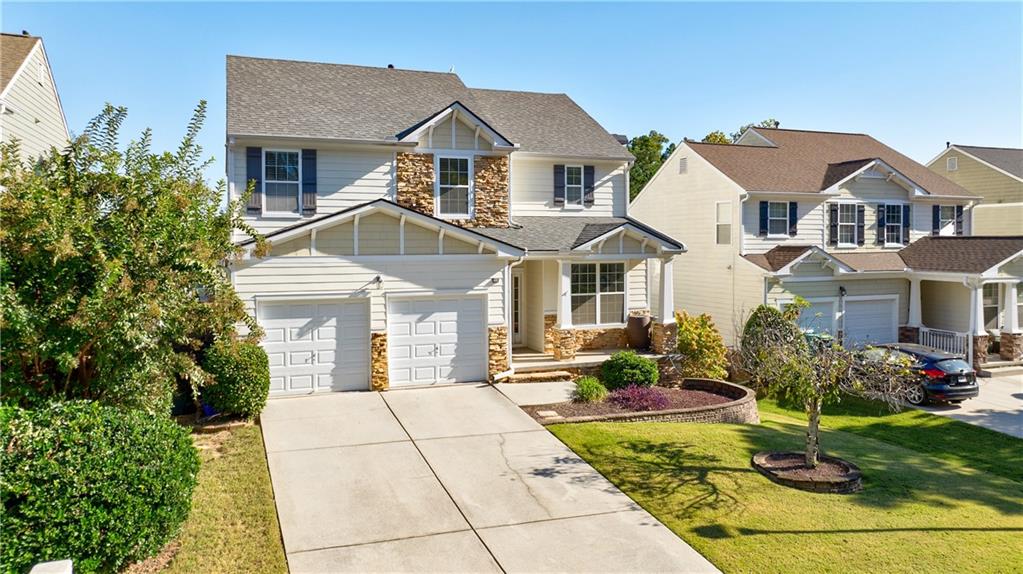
[{"x": 518, "y": 302}]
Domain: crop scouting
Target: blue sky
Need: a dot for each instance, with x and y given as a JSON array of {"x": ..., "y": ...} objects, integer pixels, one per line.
[{"x": 911, "y": 75}]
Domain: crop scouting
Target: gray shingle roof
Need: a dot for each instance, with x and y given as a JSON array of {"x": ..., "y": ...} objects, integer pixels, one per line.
[
  {"x": 14, "y": 48},
  {"x": 960, "y": 254},
  {"x": 285, "y": 98},
  {"x": 556, "y": 233},
  {"x": 1006, "y": 158}
]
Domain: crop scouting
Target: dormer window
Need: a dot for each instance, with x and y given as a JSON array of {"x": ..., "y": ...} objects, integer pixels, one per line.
[
  {"x": 952, "y": 164},
  {"x": 574, "y": 185},
  {"x": 453, "y": 193}
]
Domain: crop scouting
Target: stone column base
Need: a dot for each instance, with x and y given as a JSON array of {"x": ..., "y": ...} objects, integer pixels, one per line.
[
  {"x": 497, "y": 350},
  {"x": 909, "y": 334},
  {"x": 564, "y": 347},
  {"x": 1011, "y": 346},
  {"x": 663, "y": 337},
  {"x": 378, "y": 378},
  {"x": 550, "y": 333},
  {"x": 980, "y": 345}
]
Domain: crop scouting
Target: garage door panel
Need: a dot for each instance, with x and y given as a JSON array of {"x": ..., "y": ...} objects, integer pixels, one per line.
[
  {"x": 872, "y": 321},
  {"x": 273, "y": 335},
  {"x": 436, "y": 340}
]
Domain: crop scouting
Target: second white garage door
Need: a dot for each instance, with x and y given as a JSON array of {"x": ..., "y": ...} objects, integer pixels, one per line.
[
  {"x": 436, "y": 340},
  {"x": 870, "y": 321}
]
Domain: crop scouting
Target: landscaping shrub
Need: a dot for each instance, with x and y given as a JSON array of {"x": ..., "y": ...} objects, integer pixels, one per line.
[
  {"x": 702, "y": 352},
  {"x": 767, "y": 330},
  {"x": 626, "y": 368},
  {"x": 590, "y": 390},
  {"x": 99, "y": 485},
  {"x": 636, "y": 398},
  {"x": 241, "y": 378}
]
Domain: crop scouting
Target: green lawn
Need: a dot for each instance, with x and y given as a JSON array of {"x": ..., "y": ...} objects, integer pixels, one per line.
[
  {"x": 923, "y": 509},
  {"x": 233, "y": 525}
]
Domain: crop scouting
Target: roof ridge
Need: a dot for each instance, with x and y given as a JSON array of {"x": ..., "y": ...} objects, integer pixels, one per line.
[
  {"x": 519, "y": 92},
  {"x": 293, "y": 61},
  {"x": 689, "y": 141},
  {"x": 20, "y": 35},
  {"x": 987, "y": 147},
  {"x": 812, "y": 131}
]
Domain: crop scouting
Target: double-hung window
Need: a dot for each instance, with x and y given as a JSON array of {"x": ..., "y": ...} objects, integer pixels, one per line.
[
  {"x": 778, "y": 218},
  {"x": 598, "y": 293},
  {"x": 893, "y": 224},
  {"x": 990, "y": 295},
  {"x": 281, "y": 181},
  {"x": 847, "y": 224},
  {"x": 723, "y": 222},
  {"x": 947, "y": 220},
  {"x": 453, "y": 197},
  {"x": 573, "y": 185}
]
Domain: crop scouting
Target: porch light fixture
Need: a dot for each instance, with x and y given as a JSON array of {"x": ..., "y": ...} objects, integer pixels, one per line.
[
  {"x": 494, "y": 280},
  {"x": 841, "y": 291},
  {"x": 378, "y": 281}
]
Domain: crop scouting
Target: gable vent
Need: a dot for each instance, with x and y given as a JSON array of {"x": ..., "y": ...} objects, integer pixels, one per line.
[
  {"x": 683, "y": 165},
  {"x": 952, "y": 164}
]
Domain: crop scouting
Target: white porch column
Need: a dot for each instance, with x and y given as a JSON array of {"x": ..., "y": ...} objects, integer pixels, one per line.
[
  {"x": 564, "y": 295},
  {"x": 978, "y": 310},
  {"x": 1011, "y": 314},
  {"x": 914, "y": 303},
  {"x": 667, "y": 291}
]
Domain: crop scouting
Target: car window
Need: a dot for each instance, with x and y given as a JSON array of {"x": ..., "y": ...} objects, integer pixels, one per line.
[{"x": 953, "y": 365}]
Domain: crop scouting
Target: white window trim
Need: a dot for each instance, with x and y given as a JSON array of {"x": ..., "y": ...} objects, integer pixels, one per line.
[
  {"x": 856, "y": 239},
  {"x": 471, "y": 196},
  {"x": 788, "y": 223},
  {"x": 887, "y": 223},
  {"x": 952, "y": 163},
  {"x": 598, "y": 293},
  {"x": 290, "y": 214},
  {"x": 582, "y": 188},
  {"x": 718, "y": 223},
  {"x": 943, "y": 223}
]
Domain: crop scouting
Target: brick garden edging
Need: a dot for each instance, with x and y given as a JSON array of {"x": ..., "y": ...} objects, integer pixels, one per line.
[
  {"x": 743, "y": 409},
  {"x": 848, "y": 484}
]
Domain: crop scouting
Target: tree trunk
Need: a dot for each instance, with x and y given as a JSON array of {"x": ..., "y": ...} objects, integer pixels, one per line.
[{"x": 813, "y": 408}]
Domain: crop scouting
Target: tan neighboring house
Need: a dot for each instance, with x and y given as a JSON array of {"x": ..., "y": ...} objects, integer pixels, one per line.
[
  {"x": 995, "y": 174},
  {"x": 424, "y": 232},
  {"x": 879, "y": 245},
  {"x": 30, "y": 109}
]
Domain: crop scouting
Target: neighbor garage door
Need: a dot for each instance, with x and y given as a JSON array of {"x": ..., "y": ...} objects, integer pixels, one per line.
[
  {"x": 316, "y": 346},
  {"x": 870, "y": 321},
  {"x": 436, "y": 340}
]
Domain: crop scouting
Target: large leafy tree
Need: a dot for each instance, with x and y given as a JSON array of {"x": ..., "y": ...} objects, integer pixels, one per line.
[
  {"x": 650, "y": 150},
  {"x": 719, "y": 137},
  {"x": 112, "y": 266}
]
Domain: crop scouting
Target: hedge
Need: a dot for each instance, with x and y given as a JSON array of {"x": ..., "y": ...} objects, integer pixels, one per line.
[{"x": 241, "y": 378}]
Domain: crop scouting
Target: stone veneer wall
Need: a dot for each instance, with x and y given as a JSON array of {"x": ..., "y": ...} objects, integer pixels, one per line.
[
  {"x": 550, "y": 333},
  {"x": 378, "y": 378},
  {"x": 980, "y": 346},
  {"x": 414, "y": 175},
  {"x": 567, "y": 342},
  {"x": 1010, "y": 346},
  {"x": 663, "y": 337},
  {"x": 909, "y": 334},
  {"x": 497, "y": 351}
]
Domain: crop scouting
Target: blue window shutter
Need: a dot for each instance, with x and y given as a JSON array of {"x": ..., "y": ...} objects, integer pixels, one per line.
[
  {"x": 882, "y": 221},
  {"x": 833, "y": 224},
  {"x": 959, "y": 220},
  {"x": 935, "y": 220},
  {"x": 763, "y": 218},
  {"x": 793, "y": 217},
  {"x": 587, "y": 185},
  {"x": 254, "y": 171},
  {"x": 308, "y": 182},
  {"x": 861, "y": 224},
  {"x": 907, "y": 215},
  {"x": 559, "y": 185}
]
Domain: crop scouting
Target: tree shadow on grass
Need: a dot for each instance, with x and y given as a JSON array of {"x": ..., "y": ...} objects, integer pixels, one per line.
[{"x": 723, "y": 531}]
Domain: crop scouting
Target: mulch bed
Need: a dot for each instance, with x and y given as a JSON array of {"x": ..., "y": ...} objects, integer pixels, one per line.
[
  {"x": 790, "y": 465},
  {"x": 832, "y": 475},
  {"x": 677, "y": 399}
]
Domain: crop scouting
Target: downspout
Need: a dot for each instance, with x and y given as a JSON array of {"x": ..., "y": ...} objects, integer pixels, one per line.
[{"x": 507, "y": 315}]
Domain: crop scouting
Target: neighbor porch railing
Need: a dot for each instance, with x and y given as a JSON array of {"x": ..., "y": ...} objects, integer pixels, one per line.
[{"x": 948, "y": 341}]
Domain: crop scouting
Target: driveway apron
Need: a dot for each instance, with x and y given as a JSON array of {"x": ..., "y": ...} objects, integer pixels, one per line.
[{"x": 451, "y": 479}]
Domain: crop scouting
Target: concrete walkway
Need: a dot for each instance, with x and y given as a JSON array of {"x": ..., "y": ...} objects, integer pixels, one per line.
[
  {"x": 452, "y": 479},
  {"x": 524, "y": 394},
  {"x": 999, "y": 406}
]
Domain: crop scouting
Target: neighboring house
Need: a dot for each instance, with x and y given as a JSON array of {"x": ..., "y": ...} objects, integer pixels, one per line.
[
  {"x": 30, "y": 108},
  {"x": 993, "y": 173},
  {"x": 878, "y": 244},
  {"x": 425, "y": 232}
]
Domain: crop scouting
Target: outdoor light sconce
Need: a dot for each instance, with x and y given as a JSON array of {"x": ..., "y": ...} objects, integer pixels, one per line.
[
  {"x": 841, "y": 291},
  {"x": 494, "y": 280},
  {"x": 378, "y": 281}
]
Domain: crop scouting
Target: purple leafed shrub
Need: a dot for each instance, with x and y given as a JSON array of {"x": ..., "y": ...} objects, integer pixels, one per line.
[{"x": 637, "y": 398}]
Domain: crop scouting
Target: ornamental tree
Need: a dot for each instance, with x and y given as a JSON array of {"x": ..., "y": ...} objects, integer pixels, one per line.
[
  {"x": 700, "y": 350},
  {"x": 112, "y": 268},
  {"x": 785, "y": 363}
]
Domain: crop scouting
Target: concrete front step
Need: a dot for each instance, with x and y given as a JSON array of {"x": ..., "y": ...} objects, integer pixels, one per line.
[
  {"x": 539, "y": 377},
  {"x": 1001, "y": 368}
]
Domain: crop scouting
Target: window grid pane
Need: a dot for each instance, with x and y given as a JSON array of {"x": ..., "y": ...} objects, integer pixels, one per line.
[
  {"x": 281, "y": 197},
  {"x": 584, "y": 278},
  {"x": 612, "y": 307},
  {"x": 453, "y": 183},
  {"x": 847, "y": 223},
  {"x": 893, "y": 224},
  {"x": 612, "y": 278}
]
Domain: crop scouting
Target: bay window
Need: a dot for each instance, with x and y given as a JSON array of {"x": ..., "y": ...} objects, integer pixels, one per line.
[{"x": 598, "y": 293}]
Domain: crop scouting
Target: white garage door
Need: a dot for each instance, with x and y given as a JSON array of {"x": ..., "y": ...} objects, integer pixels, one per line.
[
  {"x": 870, "y": 322},
  {"x": 436, "y": 340},
  {"x": 316, "y": 346},
  {"x": 819, "y": 317}
]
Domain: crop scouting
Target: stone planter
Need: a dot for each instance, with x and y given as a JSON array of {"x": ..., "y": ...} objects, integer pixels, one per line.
[{"x": 847, "y": 480}]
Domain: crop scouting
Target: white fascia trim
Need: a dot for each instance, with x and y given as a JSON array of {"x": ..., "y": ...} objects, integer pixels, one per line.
[
  {"x": 636, "y": 233},
  {"x": 572, "y": 256},
  {"x": 787, "y": 270},
  {"x": 911, "y": 185},
  {"x": 475, "y": 121},
  {"x": 820, "y": 196},
  {"x": 321, "y": 140},
  {"x": 973, "y": 157},
  {"x": 532, "y": 155},
  {"x": 993, "y": 270}
]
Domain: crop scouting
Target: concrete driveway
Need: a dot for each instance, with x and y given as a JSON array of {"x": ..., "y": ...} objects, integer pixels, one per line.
[
  {"x": 452, "y": 479},
  {"x": 999, "y": 406}
]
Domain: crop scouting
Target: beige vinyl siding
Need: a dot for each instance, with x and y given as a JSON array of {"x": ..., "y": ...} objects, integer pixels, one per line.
[
  {"x": 993, "y": 185},
  {"x": 338, "y": 240},
  {"x": 809, "y": 227},
  {"x": 709, "y": 278},
  {"x": 533, "y": 287},
  {"x": 300, "y": 278},
  {"x": 35, "y": 117},
  {"x": 465, "y": 137},
  {"x": 532, "y": 188},
  {"x": 378, "y": 235},
  {"x": 454, "y": 245},
  {"x": 779, "y": 292},
  {"x": 298, "y": 247},
  {"x": 945, "y": 305},
  {"x": 998, "y": 219},
  {"x": 637, "y": 287},
  {"x": 346, "y": 176}
]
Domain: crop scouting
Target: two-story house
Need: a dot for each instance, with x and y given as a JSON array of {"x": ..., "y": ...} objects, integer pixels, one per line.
[
  {"x": 879, "y": 245},
  {"x": 995, "y": 175},
  {"x": 426, "y": 232},
  {"x": 30, "y": 110}
]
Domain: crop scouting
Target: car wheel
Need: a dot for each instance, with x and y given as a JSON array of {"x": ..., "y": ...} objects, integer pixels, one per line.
[{"x": 916, "y": 395}]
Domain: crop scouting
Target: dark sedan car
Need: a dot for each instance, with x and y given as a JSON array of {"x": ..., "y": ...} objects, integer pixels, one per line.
[{"x": 944, "y": 377}]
